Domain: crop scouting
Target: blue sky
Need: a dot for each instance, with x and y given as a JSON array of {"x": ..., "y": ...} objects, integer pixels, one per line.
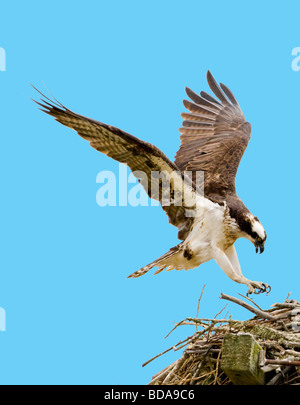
[{"x": 72, "y": 316}]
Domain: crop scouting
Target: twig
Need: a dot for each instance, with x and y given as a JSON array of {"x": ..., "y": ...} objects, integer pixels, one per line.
[
  {"x": 288, "y": 296},
  {"x": 176, "y": 326},
  {"x": 258, "y": 312},
  {"x": 198, "y": 307},
  {"x": 180, "y": 362},
  {"x": 220, "y": 311},
  {"x": 286, "y": 305},
  {"x": 199, "y": 321},
  {"x": 217, "y": 367},
  {"x": 283, "y": 362},
  {"x": 279, "y": 376},
  {"x": 251, "y": 300},
  {"x": 159, "y": 377},
  {"x": 155, "y": 357}
]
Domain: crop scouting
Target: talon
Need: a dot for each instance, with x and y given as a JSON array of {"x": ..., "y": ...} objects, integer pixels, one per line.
[
  {"x": 258, "y": 288},
  {"x": 250, "y": 291},
  {"x": 263, "y": 288},
  {"x": 268, "y": 289}
]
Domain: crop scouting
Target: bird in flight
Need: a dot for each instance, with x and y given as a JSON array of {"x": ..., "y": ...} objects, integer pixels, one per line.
[{"x": 209, "y": 215}]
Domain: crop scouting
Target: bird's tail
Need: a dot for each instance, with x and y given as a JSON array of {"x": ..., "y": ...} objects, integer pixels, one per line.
[{"x": 165, "y": 261}]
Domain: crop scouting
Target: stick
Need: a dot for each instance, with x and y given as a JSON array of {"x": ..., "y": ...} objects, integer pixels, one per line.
[
  {"x": 155, "y": 357},
  {"x": 279, "y": 376},
  {"x": 286, "y": 305},
  {"x": 166, "y": 351},
  {"x": 258, "y": 312},
  {"x": 283, "y": 362},
  {"x": 251, "y": 300},
  {"x": 176, "y": 367},
  {"x": 197, "y": 315}
]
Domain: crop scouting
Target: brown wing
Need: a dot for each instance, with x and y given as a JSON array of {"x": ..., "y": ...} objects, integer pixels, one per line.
[
  {"x": 142, "y": 157},
  {"x": 214, "y": 138}
]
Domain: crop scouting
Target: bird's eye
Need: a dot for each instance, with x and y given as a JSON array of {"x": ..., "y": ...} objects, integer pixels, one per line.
[{"x": 258, "y": 239}]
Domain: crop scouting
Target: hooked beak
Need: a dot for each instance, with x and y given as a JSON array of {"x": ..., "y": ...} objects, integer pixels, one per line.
[{"x": 260, "y": 247}]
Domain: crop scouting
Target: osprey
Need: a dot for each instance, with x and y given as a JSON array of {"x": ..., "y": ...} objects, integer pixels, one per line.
[{"x": 214, "y": 137}]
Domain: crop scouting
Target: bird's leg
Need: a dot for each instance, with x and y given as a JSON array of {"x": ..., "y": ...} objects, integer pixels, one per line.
[
  {"x": 254, "y": 285},
  {"x": 229, "y": 263},
  {"x": 226, "y": 265},
  {"x": 232, "y": 256}
]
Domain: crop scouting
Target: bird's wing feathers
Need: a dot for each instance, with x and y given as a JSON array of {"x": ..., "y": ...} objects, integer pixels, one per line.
[
  {"x": 214, "y": 138},
  {"x": 140, "y": 156}
]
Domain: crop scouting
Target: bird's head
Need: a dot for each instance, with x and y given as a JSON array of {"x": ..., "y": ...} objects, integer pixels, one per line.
[{"x": 255, "y": 233}]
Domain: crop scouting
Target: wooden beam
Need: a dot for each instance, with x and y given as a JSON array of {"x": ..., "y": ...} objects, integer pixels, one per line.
[{"x": 240, "y": 359}]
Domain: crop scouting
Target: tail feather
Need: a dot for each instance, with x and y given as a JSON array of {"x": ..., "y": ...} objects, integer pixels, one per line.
[
  {"x": 142, "y": 271},
  {"x": 162, "y": 262},
  {"x": 160, "y": 269}
]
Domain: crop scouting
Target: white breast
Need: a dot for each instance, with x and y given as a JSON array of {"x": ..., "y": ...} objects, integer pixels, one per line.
[{"x": 208, "y": 229}]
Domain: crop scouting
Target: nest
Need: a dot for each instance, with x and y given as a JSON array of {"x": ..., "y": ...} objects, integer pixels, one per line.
[{"x": 276, "y": 330}]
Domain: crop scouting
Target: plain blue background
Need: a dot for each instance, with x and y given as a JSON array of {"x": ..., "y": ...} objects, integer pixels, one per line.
[{"x": 72, "y": 316}]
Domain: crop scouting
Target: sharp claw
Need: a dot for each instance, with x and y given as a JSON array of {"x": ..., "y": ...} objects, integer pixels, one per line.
[{"x": 258, "y": 288}]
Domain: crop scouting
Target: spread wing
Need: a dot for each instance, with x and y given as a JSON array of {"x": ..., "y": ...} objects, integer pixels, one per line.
[
  {"x": 214, "y": 138},
  {"x": 142, "y": 158}
]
